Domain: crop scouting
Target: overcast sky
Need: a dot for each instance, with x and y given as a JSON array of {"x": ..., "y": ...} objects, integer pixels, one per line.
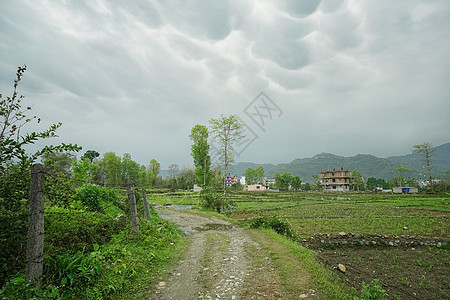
[{"x": 344, "y": 77}]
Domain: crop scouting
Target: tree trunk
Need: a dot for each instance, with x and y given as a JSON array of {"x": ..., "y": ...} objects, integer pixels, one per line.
[
  {"x": 147, "y": 209},
  {"x": 133, "y": 207},
  {"x": 35, "y": 237}
]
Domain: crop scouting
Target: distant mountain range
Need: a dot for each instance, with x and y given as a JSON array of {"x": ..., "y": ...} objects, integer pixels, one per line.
[{"x": 368, "y": 165}]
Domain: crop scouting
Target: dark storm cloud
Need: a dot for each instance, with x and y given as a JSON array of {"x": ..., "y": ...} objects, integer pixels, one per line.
[{"x": 136, "y": 76}]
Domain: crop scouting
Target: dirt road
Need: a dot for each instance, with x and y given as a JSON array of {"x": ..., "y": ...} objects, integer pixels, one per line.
[{"x": 219, "y": 264}]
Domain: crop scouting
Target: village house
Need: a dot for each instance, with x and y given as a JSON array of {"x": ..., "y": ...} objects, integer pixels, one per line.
[
  {"x": 336, "y": 180},
  {"x": 254, "y": 187}
]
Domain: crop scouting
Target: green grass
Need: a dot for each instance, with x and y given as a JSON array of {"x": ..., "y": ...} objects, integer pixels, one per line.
[{"x": 298, "y": 268}]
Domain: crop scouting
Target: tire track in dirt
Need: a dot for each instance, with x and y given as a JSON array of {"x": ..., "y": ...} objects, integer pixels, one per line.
[{"x": 216, "y": 264}]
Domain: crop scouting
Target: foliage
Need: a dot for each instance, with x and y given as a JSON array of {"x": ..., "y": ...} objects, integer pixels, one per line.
[
  {"x": 426, "y": 149},
  {"x": 296, "y": 183},
  {"x": 130, "y": 170},
  {"x": 200, "y": 154},
  {"x": 280, "y": 226},
  {"x": 119, "y": 267},
  {"x": 93, "y": 196},
  {"x": 57, "y": 164},
  {"x": 83, "y": 171},
  {"x": 373, "y": 183},
  {"x": 227, "y": 131},
  {"x": 250, "y": 176},
  {"x": 91, "y": 155},
  {"x": 372, "y": 291},
  {"x": 212, "y": 199},
  {"x": 15, "y": 162},
  {"x": 155, "y": 166},
  {"x": 113, "y": 169},
  {"x": 357, "y": 181}
]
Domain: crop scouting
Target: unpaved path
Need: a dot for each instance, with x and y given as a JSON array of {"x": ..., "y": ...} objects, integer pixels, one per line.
[{"x": 218, "y": 263}]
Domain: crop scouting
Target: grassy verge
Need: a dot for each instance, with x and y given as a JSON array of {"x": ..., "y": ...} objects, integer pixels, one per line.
[
  {"x": 97, "y": 256},
  {"x": 298, "y": 269}
]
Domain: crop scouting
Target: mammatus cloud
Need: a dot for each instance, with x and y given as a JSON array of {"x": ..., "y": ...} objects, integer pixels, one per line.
[{"x": 350, "y": 76}]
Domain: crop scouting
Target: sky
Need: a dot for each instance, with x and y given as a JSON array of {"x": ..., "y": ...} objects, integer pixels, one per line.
[{"x": 305, "y": 77}]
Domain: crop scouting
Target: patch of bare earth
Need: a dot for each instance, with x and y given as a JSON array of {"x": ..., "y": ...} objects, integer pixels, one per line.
[{"x": 222, "y": 262}]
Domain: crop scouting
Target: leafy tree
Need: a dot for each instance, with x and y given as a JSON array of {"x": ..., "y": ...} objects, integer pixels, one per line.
[
  {"x": 216, "y": 178},
  {"x": 286, "y": 180},
  {"x": 227, "y": 131},
  {"x": 307, "y": 186},
  {"x": 372, "y": 183},
  {"x": 259, "y": 172},
  {"x": 155, "y": 167},
  {"x": 15, "y": 162},
  {"x": 130, "y": 170},
  {"x": 357, "y": 181},
  {"x": 277, "y": 180},
  {"x": 200, "y": 154},
  {"x": 91, "y": 155},
  {"x": 83, "y": 172},
  {"x": 58, "y": 164},
  {"x": 250, "y": 176},
  {"x": 186, "y": 179},
  {"x": 174, "y": 170},
  {"x": 399, "y": 179},
  {"x": 296, "y": 183},
  {"x": 317, "y": 183},
  {"x": 426, "y": 149},
  {"x": 113, "y": 169}
]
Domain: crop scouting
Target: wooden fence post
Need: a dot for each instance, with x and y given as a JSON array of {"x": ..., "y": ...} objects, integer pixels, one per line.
[
  {"x": 147, "y": 209},
  {"x": 133, "y": 207},
  {"x": 35, "y": 236}
]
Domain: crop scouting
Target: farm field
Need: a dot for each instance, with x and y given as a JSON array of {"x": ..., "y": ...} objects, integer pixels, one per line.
[{"x": 401, "y": 240}]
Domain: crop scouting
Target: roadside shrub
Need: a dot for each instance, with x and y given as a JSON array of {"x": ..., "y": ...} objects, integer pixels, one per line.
[
  {"x": 68, "y": 230},
  {"x": 13, "y": 239},
  {"x": 92, "y": 196},
  {"x": 214, "y": 200},
  {"x": 280, "y": 226}
]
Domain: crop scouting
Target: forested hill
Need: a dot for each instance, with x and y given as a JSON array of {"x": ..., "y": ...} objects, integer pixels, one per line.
[{"x": 367, "y": 165}]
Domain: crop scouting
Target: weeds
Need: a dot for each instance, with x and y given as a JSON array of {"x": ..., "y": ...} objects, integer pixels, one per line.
[{"x": 372, "y": 291}]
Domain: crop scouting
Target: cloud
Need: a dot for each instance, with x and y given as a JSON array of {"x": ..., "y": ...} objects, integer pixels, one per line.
[{"x": 135, "y": 77}]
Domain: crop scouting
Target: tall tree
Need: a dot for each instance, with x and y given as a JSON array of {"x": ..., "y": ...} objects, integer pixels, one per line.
[
  {"x": 227, "y": 131},
  {"x": 155, "y": 167},
  {"x": 296, "y": 183},
  {"x": 113, "y": 168},
  {"x": 259, "y": 171},
  {"x": 278, "y": 180},
  {"x": 200, "y": 154},
  {"x": 130, "y": 170},
  {"x": 250, "y": 176},
  {"x": 91, "y": 155},
  {"x": 357, "y": 181},
  {"x": 426, "y": 149}
]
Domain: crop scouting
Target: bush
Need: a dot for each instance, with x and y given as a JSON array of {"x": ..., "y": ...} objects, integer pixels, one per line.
[
  {"x": 92, "y": 196},
  {"x": 214, "y": 200},
  {"x": 280, "y": 226}
]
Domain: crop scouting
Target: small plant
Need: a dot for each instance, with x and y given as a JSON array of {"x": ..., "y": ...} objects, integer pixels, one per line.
[
  {"x": 405, "y": 281},
  {"x": 423, "y": 282},
  {"x": 372, "y": 291}
]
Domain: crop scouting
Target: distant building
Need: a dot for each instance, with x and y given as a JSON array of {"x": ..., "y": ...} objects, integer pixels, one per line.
[
  {"x": 254, "y": 187},
  {"x": 242, "y": 180},
  {"x": 336, "y": 180},
  {"x": 197, "y": 188},
  {"x": 405, "y": 190}
]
